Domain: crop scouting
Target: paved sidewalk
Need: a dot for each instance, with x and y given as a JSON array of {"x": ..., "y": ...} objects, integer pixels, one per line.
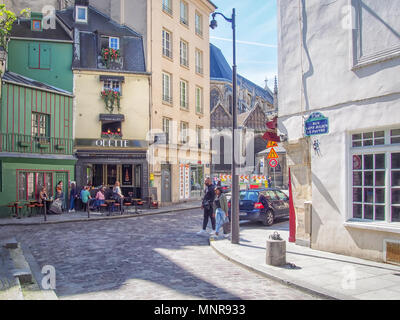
[
  {"x": 329, "y": 275},
  {"x": 95, "y": 216}
]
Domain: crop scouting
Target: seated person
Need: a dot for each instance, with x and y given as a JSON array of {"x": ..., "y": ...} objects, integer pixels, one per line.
[{"x": 100, "y": 198}]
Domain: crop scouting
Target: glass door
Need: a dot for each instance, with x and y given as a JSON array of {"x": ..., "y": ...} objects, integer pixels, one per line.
[{"x": 112, "y": 174}]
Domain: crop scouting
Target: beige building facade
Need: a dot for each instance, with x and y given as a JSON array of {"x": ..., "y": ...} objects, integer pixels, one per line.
[{"x": 176, "y": 45}]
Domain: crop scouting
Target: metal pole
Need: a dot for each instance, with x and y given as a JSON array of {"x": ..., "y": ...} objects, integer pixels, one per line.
[{"x": 235, "y": 180}]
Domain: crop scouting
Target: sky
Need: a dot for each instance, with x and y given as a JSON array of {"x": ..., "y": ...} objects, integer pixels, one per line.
[{"x": 256, "y": 38}]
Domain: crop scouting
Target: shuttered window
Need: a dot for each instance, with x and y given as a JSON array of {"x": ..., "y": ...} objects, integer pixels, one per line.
[{"x": 39, "y": 56}]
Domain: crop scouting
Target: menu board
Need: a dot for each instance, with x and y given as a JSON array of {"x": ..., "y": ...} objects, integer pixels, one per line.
[{"x": 187, "y": 181}]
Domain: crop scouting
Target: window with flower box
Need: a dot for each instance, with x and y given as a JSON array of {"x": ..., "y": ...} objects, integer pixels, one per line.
[
  {"x": 375, "y": 175},
  {"x": 112, "y": 85},
  {"x": 111, "y": 129}
]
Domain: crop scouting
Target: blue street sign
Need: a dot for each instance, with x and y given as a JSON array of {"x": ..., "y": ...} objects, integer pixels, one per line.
[{"x": 316, "y": 124}]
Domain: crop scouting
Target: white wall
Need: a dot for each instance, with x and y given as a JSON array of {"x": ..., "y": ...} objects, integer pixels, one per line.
[
  {"x": 323, "y": 52},
  {"x": 323, "y": 67}
]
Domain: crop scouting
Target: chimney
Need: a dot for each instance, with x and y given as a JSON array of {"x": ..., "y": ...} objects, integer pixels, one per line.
[{"x": 117, "y": 11}]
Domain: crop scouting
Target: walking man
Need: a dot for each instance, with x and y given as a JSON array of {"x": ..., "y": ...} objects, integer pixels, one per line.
[{"x": 207, "y": 206}]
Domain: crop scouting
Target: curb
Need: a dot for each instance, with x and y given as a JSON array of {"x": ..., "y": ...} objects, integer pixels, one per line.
[
  {"x": 100, "y": 218},
  {"x": 283, "y": 279}
]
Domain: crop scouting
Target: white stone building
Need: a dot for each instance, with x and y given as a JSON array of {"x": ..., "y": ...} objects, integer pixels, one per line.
[{"x": 342, "y": 59}]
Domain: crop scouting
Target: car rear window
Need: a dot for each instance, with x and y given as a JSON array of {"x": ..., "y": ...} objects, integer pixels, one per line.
[{"x": 246, "y": 195}]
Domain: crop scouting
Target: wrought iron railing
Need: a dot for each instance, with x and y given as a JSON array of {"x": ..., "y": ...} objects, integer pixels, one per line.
[
  {"x": 10, "y": 142},
  {"x": 167, "y": 9}
]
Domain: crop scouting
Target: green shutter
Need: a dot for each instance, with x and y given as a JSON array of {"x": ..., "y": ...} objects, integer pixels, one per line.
[
  {"x": 45, "y": 56},
  {"x": 33, "y": 56}
]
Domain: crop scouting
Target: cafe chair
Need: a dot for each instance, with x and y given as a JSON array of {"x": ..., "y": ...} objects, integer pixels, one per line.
[
  {"x": 11, "y": 209},
  {"x": 103, "y": 207},
  {"x": 29, "y": 208},
  {"x": 40, "y": 208},
  {"x": 118, "y": 207},
  {"x": 127, "y": 204}
]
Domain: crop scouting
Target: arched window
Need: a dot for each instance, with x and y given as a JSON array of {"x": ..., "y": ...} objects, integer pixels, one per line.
[
  {"x": 230, "y": 103},
  {"x": 215, "y": 96}
]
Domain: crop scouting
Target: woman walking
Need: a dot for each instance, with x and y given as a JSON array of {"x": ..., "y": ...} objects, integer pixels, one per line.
[
  {"x": 72, "y": 196},
  {"x": 220, "y": 209}
]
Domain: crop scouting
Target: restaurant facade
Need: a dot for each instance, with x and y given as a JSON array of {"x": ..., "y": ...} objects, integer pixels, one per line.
[
  {"x": 36, "y": 112},
  {"x": 111, "y": 90}
]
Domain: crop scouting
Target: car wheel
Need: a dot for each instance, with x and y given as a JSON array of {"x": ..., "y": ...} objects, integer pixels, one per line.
[{"x": 268, "y": 218}]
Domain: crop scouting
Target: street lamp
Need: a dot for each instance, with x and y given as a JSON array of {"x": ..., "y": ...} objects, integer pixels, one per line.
[{"x": 235, "y": 178}]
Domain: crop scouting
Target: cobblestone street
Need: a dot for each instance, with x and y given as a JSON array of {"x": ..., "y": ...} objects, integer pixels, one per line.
[{"x": 153, "y": 257}]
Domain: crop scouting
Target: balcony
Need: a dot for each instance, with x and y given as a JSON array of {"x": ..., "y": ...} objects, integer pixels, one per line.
[
  {"x": 167, "y": 99},
  {"x": 199, "y": 32},
  {"x": 184, "y": 62},
  {"x": 167, "y": 9},
  {"x": 167, "y": 53},
  {"x": 10, "y": 142}
]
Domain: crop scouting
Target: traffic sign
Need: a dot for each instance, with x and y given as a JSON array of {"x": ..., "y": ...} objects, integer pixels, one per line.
[
  {"x": 271, "y": 144},
  {"x": 273, "y": 163},
  {"x": 272, "y": 154}
]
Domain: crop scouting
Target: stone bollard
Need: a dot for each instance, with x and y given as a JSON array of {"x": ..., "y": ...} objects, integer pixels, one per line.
[{"x": 276, "y": 250}]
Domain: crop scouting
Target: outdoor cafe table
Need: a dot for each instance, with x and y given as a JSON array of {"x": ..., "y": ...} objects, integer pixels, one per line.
[{"x": 48, "y": 203}]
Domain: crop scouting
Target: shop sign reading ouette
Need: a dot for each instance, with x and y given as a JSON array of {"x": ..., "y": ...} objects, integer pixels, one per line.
[{"x": 110, "y": 143}]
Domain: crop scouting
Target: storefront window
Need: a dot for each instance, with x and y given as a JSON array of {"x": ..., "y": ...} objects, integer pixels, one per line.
[
  {"x": 138, "y": 175},
  {"x": 127, "y": 175},
  {"x": 31, "y": 183},
  {"x": 22, "y": 186},
  {"x": 111, "y": 174},
  {"x": 196, "y": 181},
  {"x": 97, "y": 175}
]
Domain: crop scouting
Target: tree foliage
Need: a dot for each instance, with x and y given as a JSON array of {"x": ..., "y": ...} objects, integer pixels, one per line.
[{"x": 7, "y": 19}]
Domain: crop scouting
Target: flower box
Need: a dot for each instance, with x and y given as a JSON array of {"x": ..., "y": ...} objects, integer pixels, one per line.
[
  {"x": 44, "y": 145},
  {"x": 24, "y": 144}
]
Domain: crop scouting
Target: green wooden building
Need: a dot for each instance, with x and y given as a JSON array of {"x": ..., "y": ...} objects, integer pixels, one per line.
[{"x": 36, "y": 113}]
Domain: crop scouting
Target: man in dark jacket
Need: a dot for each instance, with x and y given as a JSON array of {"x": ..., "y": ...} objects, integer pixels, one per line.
[{"x": 207, "y": 206}]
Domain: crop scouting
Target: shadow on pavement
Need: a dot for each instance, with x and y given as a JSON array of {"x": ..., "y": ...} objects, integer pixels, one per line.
[{"x": 106, "y": 255}]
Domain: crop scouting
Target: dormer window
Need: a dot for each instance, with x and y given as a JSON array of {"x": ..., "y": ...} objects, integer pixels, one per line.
[
  {"x": 114, "y": 43},
  {"x": 81, "y": 14},
  {"x": 36, "y": 21},
  {"x": 109, "y": 42},
  {"x": 36, "y": 25}
]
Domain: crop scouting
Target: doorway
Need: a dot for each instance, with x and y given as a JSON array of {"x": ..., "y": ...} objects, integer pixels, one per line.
[{"x": 166, "y": 183}]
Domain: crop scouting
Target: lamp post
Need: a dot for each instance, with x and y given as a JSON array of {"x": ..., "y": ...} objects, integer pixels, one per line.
[{"x": 235, "y": 178}]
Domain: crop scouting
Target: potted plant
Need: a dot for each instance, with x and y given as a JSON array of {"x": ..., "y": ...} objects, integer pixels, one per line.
[
  {"x": 109, "y": 55},
  {"x": 110, "y": 97}
]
